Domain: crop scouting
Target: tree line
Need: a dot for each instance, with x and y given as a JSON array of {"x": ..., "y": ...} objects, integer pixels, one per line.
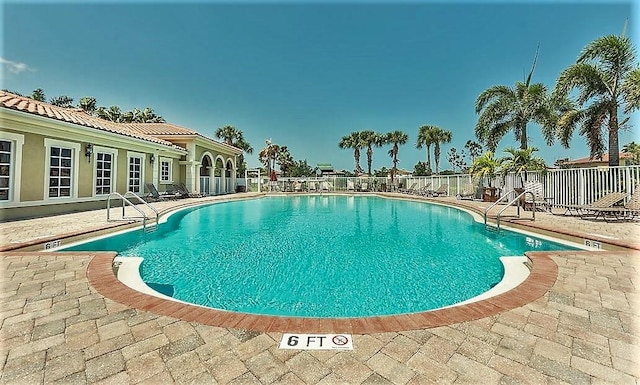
[
  {"x": 90, "y": 105},
  {"x": 593, "y": 97}
]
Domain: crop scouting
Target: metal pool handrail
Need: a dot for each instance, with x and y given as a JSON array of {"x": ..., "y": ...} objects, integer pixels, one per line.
[{"x": 126, "y": 201}]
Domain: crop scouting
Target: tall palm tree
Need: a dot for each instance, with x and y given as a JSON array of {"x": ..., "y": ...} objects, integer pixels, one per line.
[
  {"x": 520, "y": 161},
  {"x": 439, "y": 136},
  {"x": 426, "y": 138},
  {"x": 268, "y": 156},
  {"x": 395, "y": 138},
  {"x": 370, "y": 139},
  {"x": 234, "y": 137},
  {"x": 355, "y": 142},
  {"x": 503, "y": 109},
  {"x": 607, "y": 77}
]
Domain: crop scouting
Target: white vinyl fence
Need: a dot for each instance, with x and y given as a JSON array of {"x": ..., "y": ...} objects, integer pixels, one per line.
[{"x": 561, "y": 186}]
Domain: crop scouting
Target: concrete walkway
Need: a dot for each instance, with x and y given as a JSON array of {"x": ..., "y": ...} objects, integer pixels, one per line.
[{"x": 56, "y": 327}]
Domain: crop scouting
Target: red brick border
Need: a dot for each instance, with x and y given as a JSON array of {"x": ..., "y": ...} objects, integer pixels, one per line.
[{"x": 544, "y": 272}]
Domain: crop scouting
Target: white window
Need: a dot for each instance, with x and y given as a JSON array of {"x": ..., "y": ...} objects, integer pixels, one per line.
[
  {"x": 10, "y": 164},
  {"x": 104, "y": 173},
  {"x": 135, "y": 177},
  {"x": 105, "y": 170},
  {"x": 60, "y": 172},
  {"x": 165, "y": 171},
  {"x": 61, "y": 179},
  {"x": 5, "y": 169}
]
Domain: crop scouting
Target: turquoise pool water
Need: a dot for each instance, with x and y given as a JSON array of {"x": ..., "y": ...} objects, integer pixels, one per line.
[{"x": 322, "y": 256}]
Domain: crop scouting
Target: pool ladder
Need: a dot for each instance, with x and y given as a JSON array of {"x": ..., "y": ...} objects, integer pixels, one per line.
[
  {"x": 510, "y": 203},
  {"x": 147, "y": 228}
]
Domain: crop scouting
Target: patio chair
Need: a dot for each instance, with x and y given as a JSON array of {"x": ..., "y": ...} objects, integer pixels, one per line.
[
  {"x": 440, "y": 191},
  {"x": 364, "y": 186},
  {"x": 630, "y": 210},
  {"x": 325, "y": 186},
  {"x": 606, "y": 201},
  {"x": 468, "y": 191},
  {"x": 312, "y": 186}
]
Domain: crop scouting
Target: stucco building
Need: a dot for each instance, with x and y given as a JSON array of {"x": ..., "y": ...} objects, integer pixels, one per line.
[{"x": 55, "y": 160}]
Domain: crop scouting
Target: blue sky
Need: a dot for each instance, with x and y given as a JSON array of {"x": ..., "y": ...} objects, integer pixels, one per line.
[{"x": 305, "y": 74}]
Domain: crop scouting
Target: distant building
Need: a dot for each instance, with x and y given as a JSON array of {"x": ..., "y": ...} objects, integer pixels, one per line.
[
  {"x": 327, "y": 169},
  {"x": 625, "y": 160}
]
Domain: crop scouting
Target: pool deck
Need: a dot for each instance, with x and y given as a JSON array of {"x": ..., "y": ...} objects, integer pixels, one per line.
[{"x": 60, "y": 323}]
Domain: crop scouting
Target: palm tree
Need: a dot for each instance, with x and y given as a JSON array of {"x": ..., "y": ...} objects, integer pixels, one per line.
[
  {"x": 88, "y": 104},
  {"x": 370, "y": 138},
  {"x": 632, "y": 148},
  {"x": 38, "y": 94},
  {"x": 503, "y": 109},
  {"x": 439, "y": 136},
  {"x": 520, "y": 161},
  {"x": 486, "y": 166},
  {"x": 234, "y": 137},
  {"x": 608, "y": 78},
  {"x": 62, "y": 101},
  {"x": 426, "y": 138},
  {"x": 355, "y": 142},
  {"x": 112, "y": 113},
  {"x": 268, "y": 156},
  {"x": 146, "y": 116},
  {"x": 396, "y": 138}
]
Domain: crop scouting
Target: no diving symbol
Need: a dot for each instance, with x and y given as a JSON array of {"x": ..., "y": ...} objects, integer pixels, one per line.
[{"x": 340, "y": 340}]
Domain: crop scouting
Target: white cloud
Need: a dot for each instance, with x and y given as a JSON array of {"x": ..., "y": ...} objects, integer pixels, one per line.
[{"x": 14, "y": 67}]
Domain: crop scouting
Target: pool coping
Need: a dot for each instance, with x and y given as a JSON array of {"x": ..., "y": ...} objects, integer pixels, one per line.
[{"x": 544, "y": 272}]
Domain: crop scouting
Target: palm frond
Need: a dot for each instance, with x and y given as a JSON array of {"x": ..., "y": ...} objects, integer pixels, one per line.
[{"x": 631, "y": 91}]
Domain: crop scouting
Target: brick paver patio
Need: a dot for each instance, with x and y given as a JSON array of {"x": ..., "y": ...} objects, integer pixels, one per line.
[{"x": 57, "y": 328}]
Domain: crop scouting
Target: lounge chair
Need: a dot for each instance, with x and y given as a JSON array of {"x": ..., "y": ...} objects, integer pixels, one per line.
[
  {"x": 182, "y": 188},
  {"x": 364, "y": 186},
  {"x": 468, "y": 191},
  {"x": 154, "y": 195},
  {"x": 325, "y": 186},
  {"x": 607, "y": 201},
  {"x": 409, "y": 190},
  {"x": 424, "y": 190},
  {"x": 630, "y": 210},
  {"x": 312, "y": 186},
  {"x": 536, "y": 197},
  {"x": 176, "y": 190},
  {"x": 350, "y": 186},
  {"x": 443, "y": 190}
]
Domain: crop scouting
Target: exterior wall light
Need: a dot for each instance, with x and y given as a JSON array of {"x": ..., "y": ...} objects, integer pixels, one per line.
[
  {"x": 152, "y": 158},
  {"x": 88, "y": 151}
]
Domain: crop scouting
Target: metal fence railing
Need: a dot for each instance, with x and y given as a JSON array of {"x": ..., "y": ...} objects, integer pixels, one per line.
[{"x": 561, "y": 186}]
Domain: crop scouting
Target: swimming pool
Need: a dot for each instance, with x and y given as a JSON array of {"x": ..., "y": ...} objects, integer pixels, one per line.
[{"x": 322, "y": 255}]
